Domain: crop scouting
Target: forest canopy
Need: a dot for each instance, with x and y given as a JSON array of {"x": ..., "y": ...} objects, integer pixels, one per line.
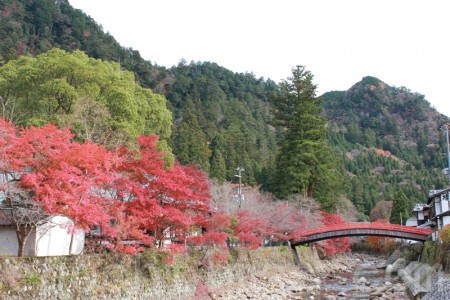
[{"x": 96, "y": 98}]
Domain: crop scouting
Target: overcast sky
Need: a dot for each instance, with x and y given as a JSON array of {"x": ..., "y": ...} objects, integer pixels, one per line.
[{"x": 401, "y": 42}]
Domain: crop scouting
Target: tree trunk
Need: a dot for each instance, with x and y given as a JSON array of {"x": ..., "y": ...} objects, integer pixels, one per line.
[
  {"x": 309, "y": 191},
  {"x": 72, "y": 234},
  {"x": 21, "y": 247},
  {"x": 22, "y": 233},
  {"x": 71, "y": 242}
]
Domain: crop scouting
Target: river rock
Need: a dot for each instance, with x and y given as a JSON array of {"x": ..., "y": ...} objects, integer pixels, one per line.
[
  {"x": 397, "y": 265},
  {"x": 362, "y": 280},
  {"x": 398, "y": 287},
  {"x": 298, "y": 284},
  {"x": 365, "y": 290},
  {"x": 378, "y": 292}
]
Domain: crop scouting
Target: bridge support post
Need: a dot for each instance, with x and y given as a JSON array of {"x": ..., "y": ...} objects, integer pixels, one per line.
[{"x": 295, "y": 255}]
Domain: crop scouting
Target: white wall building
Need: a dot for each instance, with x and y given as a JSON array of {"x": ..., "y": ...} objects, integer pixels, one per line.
[
  {"x": 420, "y": 216},
  {"x": 51, "y": 238},
  {"x": 439, "y": 210}
]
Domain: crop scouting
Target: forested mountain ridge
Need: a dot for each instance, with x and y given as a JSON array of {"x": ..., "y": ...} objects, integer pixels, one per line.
[
  {"x": 200, "y": 94},
  {"x": 388, "y": 138},
  {"x": 396, "y": 113},
  {"x": 227, "y": 113},
  {"x": 34, "y": 27}
]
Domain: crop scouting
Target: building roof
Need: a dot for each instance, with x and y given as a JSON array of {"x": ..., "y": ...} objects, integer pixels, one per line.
[
  {"x": 435, "y": 193},
  {"x": 445, "y": 213},
  {"x": 420, "y": 207}
]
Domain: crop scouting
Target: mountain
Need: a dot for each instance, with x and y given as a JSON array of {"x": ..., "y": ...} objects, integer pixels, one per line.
[
  {"x": 390, "y": 139},
  {"x": 387, "y": 138},
  {"x": 36, "y": 26}
]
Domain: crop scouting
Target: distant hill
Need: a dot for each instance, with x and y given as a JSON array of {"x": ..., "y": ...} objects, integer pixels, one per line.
[
  {"x": 387, "y": 137},
  {"x": 390, "y": 139}
]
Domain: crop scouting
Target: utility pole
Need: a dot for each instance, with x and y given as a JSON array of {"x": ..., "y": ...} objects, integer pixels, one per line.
[
  {"x": 401, "y": 224},
  {"x": 448, "y": 149},
  {"x": 239, "y": 170}
]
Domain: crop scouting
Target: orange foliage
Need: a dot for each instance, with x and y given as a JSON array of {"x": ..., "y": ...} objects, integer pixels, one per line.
[
  {"x": 379, "y": 243},
  {"x": 375, "y": 242},
  {"x": 383, "y": 152},
  {"x": 445, "y": 234}
]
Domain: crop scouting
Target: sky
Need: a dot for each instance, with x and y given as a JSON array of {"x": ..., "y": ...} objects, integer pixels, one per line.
[{"x": 401, "y": 42}]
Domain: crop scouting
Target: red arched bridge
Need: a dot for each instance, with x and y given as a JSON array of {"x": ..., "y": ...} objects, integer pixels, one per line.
[{"x": 359, "y": 229}]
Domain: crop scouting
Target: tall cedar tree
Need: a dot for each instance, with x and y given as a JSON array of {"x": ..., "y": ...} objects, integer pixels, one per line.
[{"x": 303, "y": 164}]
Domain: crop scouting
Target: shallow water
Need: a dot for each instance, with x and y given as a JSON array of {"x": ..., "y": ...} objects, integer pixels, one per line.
[{"x": 352, "y": 290}]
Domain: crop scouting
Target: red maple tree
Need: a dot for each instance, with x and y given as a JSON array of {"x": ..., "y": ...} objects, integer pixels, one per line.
[
  {"x": 334, "y": 246},
  {"x": 160, "y": 201}
]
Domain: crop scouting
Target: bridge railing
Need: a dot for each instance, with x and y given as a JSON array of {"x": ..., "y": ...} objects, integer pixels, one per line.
[{"x": 367, "y": 225}]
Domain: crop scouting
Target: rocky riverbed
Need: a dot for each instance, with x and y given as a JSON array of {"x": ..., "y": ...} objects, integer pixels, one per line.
[{"x": 352, "y": 276}]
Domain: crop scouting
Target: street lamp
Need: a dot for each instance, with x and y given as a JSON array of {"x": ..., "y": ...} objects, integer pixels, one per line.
[{"x": 239, "y": 170}]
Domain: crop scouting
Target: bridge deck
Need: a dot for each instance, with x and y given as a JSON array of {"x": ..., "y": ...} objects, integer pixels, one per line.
[{"x": 362, "y": 229}]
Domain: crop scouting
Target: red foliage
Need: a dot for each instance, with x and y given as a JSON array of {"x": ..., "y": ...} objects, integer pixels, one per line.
[
  {"x": 335, "y": 246},
  {"x": 201, "y": 291},
  {"x": 215, "y": 228},
  {"x": 248, "y": 229},
  {"x": 127, "y": 193},
  {"x": 164, "y": 201},
  {"x": 43, "y": 160},
  {"x": 221, "y": 257}
]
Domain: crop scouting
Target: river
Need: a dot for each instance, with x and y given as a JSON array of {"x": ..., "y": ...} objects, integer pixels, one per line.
[{"x": 353, "y": 276}]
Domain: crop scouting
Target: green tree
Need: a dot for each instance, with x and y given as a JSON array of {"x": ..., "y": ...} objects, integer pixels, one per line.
[
  {"x": 217, "y": 161},
  {"x": 96, "y": 98},
  {"x": 190, "y": 144},
  {"x": 303, "y": 162},
  {"x": 400, "y": 209}
]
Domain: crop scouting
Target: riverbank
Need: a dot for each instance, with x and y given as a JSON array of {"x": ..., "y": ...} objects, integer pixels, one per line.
[
  {"x": 265, "y": 273},
  {"x": 145, "y": 276},
  {"x": 350, "y": 276}
]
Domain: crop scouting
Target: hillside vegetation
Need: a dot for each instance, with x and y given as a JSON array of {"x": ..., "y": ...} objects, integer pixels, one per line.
[
  {"x": 390, "y": 140},
  {"x": 384, "y": 139}
]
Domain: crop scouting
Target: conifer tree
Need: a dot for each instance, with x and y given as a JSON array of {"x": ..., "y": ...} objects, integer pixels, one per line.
[
  {"x": 304, "y": 162},
  {"x": 189, "y": 143},
  {"x": 218, "y": 168},
  {"x": 400, "y": 209}
]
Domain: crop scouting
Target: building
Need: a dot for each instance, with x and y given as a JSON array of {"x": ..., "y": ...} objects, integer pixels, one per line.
[
  {"x": 420, "y": 216},
  {"x": 438, "y": 200},
  {"x": 51, "y": 238}
]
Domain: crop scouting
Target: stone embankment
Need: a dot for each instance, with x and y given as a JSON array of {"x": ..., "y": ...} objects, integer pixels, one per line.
[
  {"x": 145, "y": 276},
  {"x": 268, "y": 273},
  {"x": 422, "y": 281},
  {"x": 311, "y": 282}
]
